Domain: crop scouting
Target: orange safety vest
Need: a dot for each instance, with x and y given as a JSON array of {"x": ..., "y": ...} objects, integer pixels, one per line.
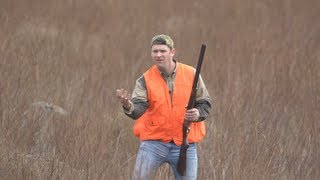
[{"x": 164, "y": 117}]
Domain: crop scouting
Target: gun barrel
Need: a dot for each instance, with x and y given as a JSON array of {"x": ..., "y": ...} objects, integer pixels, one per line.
[{"x": 182, "y": 162}]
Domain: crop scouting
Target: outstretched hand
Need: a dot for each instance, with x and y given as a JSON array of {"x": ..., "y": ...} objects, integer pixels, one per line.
[{"x": 124, "y": 97}]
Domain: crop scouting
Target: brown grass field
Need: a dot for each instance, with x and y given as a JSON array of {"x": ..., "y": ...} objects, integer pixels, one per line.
[{"x": 261, "y": 69}]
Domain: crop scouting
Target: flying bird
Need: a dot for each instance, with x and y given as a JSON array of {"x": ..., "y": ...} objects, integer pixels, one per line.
[{"x": 49, "y": 107}]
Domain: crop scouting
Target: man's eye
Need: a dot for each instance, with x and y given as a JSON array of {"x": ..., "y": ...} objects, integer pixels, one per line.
[{"x": 161, "y": 51}]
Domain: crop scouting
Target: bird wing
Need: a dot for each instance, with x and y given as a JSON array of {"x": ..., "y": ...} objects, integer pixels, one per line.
[
  {"x": 59, "y": 110},
  {"x": 39, "y": 104}
]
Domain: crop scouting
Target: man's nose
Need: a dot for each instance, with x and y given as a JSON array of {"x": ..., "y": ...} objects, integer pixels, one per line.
[{"x": 158, "y": 54}]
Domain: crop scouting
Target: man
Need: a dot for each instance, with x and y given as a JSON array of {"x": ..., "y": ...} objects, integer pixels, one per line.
[{"x": 159, "y": 103}]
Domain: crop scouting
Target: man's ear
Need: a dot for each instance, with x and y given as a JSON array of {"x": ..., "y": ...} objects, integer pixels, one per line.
[{"x": 173, "y": 52}]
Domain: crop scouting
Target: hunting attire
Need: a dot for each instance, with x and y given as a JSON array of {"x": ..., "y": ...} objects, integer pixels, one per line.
[{"x": 159, "y": 103}]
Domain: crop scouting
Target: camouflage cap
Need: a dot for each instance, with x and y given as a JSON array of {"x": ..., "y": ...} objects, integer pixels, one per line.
[{"x": 162, "y": 39}]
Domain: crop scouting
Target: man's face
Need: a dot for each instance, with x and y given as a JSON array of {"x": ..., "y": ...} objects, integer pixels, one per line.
[{"x": 162, "y": 56}]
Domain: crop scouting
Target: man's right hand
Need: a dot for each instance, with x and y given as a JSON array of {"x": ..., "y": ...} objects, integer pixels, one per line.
[{"x": 124, "y": 97}]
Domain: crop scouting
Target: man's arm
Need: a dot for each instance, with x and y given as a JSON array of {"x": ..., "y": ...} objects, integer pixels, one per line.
[
  {"x": 203, "y": 101},
  {"x": 139, "y": 101}
]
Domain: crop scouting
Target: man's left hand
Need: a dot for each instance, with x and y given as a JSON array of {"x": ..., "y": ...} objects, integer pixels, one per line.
[{"x": 192, "y": 115}]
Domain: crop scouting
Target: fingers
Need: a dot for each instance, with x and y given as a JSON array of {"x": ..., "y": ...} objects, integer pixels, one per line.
[
  {"x": 192, "y": 115},
  {"x": 123, "y": 94},
  {"x": 120, "y": 93},
  {"x": 124, "y": 97}
]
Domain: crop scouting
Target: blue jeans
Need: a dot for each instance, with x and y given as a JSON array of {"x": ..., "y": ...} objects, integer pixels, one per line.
[{"x": 152, "y": 154}]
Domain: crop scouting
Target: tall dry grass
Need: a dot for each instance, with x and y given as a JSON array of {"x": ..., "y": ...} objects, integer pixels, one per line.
[{"x": 261, "y": 69}]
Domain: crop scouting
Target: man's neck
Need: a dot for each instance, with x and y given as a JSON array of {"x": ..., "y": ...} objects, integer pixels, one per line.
[{"x": 170, "y": 69}]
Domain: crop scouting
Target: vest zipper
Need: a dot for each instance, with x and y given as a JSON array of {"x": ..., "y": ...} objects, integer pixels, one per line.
[{"x": 170, "y": 93}]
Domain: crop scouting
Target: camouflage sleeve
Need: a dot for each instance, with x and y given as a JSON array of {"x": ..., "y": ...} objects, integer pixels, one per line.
[{"x": 203, "y": 100}]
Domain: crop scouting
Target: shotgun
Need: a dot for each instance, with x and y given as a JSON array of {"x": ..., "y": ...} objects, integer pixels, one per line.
[{"x": 182, "y": 162}]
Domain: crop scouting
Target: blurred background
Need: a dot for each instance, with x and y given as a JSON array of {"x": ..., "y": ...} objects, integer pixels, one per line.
[{"x": 261, "y": 68}]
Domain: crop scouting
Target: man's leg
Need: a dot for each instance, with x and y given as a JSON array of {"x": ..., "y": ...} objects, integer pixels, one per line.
[{"x": 151, "y": 155}]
